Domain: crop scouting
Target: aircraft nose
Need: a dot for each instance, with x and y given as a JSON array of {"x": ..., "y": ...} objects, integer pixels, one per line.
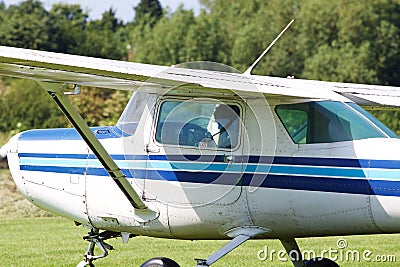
[
  {"x": 10, "y": 147},
  {"x": 10, "y": 150}
]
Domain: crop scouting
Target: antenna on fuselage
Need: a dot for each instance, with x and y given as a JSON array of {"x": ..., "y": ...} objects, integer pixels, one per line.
[{"x": 250, "y": 69}]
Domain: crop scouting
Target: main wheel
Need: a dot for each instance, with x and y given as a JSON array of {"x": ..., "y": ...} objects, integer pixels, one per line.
[
  {"x": 321, "y": 262},
  {"x": 160, "y": 262}
]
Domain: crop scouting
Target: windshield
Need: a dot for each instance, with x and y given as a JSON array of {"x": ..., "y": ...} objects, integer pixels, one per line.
[
  {"x": 329, "y": 121},
  {"x": 130, "y": 118}
]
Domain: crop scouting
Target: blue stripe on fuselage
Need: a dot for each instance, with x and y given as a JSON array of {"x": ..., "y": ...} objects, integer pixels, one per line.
[
  {"x": 293, "y": 161},
  {"x": 312, "y": 174}
]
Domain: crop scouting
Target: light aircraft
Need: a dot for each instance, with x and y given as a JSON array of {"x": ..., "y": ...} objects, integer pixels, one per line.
[{"x": 209, "y": 154}]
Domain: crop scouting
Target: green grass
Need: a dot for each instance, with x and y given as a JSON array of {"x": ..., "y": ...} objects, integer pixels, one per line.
[
  {"x": 58, "y": 242},
  {"x": 29, "y": 237}
]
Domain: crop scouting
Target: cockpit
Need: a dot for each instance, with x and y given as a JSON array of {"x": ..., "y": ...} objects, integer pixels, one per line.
[
  {"x": 198, "y": 124},
  {"x": 204, "y": 123}
]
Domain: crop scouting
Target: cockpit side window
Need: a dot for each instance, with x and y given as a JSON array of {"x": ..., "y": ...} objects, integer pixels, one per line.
[
  {"x": 295, "y": 120},
  {"x": 132, "y": 114},
  {"x": 198, "y": 124},
  {"x": 326, "y": 122}
]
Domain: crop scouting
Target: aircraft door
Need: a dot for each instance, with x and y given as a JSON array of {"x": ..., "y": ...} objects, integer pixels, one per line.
[
  {"x": 324, "y": 167},
  {"x": 196, "y": 152}
]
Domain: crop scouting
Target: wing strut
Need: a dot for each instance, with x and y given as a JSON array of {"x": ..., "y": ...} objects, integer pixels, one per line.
[{"x": 94, "y": 144}]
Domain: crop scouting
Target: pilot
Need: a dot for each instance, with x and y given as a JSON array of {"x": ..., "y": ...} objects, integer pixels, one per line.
[{"x": 227, "y": 118}]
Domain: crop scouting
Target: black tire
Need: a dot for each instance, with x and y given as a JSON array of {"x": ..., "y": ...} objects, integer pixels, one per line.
[
  {"x": 160, "y": 262},
  {"x": 321, "y": 262}
]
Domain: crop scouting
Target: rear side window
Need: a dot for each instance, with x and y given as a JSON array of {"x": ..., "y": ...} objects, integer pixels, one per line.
[
  {"x": 198, "y": 124},
  {"x": 326, "y": 122}
]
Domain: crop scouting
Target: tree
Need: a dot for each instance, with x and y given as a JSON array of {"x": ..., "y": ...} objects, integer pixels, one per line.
[
  {"x": 317, "y": 25},
  {"x": 342, "y": 63},
  {"x": 164, "y": 43},
  {"x": 149, "y": 11},
  {"x": 341, "y": 40},
  {"x": 100, "y": 106},
  {"x": 104, "y": 38},
  {"x": 203, "y": 40},
  {"x": 24, "y": 105},
  {"x": 376, "y": 23},
  {"x": 25, "y": 26},
  {"x": 67, "y": 25}
]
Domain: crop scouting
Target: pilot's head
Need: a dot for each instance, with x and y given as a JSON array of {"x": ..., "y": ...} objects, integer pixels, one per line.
[{"x": 225, "y": 114}]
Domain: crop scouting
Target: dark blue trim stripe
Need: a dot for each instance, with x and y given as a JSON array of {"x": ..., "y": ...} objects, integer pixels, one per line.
[
  {"x": 337, "y": 185},
  {"x": 321, "y": 184},
  {"x": 353, "y": 180},
  {"x": 326, "y": 162}
]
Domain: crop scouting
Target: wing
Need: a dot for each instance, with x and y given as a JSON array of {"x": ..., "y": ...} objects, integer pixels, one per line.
[
  {"x": 62, "y": 68},
  {"x": 367, "y": 95}
]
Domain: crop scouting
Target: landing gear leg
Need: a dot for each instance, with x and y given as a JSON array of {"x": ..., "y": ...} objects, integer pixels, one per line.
[
  {"x": 293, "y": 251},
  {"x": 234, "y": 243},
  {"x": 95, "y": 238},
  {"x": 240, "y": 235}
]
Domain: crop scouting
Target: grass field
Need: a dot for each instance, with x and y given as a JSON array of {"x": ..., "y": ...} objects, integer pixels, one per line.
[{"x": 29, "y": 237}]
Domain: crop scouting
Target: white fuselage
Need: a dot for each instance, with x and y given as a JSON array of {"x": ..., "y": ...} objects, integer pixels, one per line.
[{"x": 292, "y": 189}]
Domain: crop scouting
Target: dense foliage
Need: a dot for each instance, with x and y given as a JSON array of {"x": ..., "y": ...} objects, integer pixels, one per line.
[{"x": 339, "y": 40}]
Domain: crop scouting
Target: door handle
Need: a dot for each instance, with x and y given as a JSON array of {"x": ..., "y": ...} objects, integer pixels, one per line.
[
  {"x": 228, "y": 159},
  {"x": 152, "y": 148}
]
